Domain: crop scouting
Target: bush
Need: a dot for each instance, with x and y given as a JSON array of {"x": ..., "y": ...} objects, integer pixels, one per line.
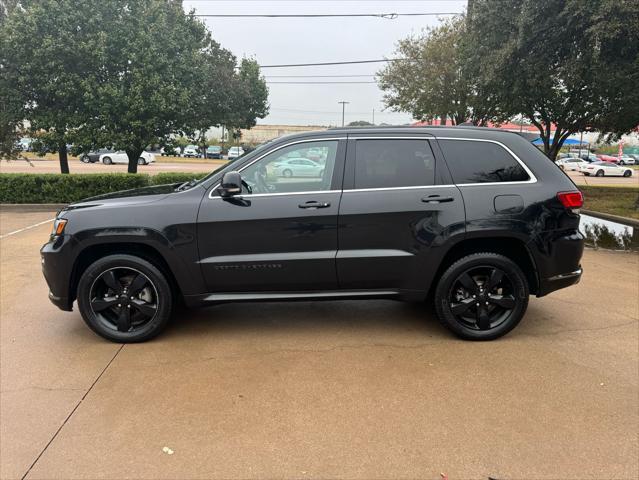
[{"x": 56, "y": 188}]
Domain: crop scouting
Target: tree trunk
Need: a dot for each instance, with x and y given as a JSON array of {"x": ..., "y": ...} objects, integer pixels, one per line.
[
  {"x": 64, "y": 159},
  {"x": 133, "y": 153}
]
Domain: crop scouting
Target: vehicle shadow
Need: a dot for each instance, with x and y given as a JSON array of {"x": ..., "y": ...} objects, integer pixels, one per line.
[{"x": 327, "y": 317}]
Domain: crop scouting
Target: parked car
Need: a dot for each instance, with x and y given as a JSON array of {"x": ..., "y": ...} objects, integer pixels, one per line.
[
  {"x": 608, "y": 169},
  {"x": 191, "y": 151},
  {"x": 24, "y": 144},
  {"x": 94, "y": 155},
  {"x": 564, "y": 155},
  {"x": 235, "y": 152},
  {"x": 214, "y": 151},
  {"x": 122, "y": 157},
  {"x": 635, "y": 156},
  {"x": 408, "y": 213},
  {"x": 170, "y": 151},
  {"x": 571, "y": 163},
  {"x": 626, "y": 160},
  {"x": 297, "y": 167}
]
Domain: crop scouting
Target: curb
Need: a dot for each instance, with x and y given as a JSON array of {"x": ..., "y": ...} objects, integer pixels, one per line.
[
  {"x": 631, "y": 222},
  {"x": 31, "y": 207}
]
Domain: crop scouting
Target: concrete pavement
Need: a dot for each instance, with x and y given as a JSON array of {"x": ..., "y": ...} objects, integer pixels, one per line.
[{"x": 353, "y": 389}]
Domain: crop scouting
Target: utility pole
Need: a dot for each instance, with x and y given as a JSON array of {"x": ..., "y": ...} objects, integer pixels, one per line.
[
  {"x": 343, "y": 110},
  {"x": 373, "y": 116}
]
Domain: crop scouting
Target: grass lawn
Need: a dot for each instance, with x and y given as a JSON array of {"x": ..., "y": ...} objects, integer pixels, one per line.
[{"x": 620, "y": 201}]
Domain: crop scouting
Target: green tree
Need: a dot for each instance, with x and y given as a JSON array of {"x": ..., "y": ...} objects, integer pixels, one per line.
[
  {"x": 250, "y": 97},
  {"x": 561, "y": 64},
  {"x": 48, "y": 51},
  {"x": 431, "y": 79}
]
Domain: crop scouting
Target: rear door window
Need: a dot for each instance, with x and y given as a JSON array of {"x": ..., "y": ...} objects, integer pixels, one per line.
[
  {"x": 472, "y": 161},
  {"x": 389, "y": 163}
]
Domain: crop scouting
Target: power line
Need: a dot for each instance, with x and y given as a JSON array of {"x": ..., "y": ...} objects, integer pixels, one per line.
[
  {"x": 334, "y": 63},
  {"x": 387, "y": 16}
]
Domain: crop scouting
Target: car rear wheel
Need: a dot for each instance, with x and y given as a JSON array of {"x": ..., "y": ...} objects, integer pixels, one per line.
[
  {"x": 141, "y": 161},
  {"x": 287, "y": 173},
  {"x": 124, "y": 298},
  {"x": 482, "y": 296},
  {"x": 107, "y": 160},
  {"x": 627, "y": 173},
  {"x": 600, "y": 173}
]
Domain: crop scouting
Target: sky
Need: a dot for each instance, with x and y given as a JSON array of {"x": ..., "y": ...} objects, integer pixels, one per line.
[{"x": 312, "y": 40}]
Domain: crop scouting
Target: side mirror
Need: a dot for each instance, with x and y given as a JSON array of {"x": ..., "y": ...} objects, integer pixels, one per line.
[{"x": 231, "y": 184}]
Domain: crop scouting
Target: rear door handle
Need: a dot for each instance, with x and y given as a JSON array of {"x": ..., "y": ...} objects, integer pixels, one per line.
[
  {"x": 437, "y": 199},
  {"x": 314, "y": 204}
]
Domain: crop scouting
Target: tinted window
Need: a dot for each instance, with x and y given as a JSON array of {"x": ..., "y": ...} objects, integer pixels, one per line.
[
  {"x": 287, "y": 169},
  {"x": 479, "y": 162},
  {"x": 393, "y": 163}
]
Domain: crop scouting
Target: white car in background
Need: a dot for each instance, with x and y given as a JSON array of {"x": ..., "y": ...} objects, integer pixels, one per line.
[
  {"x": 122, "y": 157},
  {"x": 297, "y": 167},
  {"x": 607, "y": 169},
  {"x": 235, "y": 152},
  {"x": 626, "y": 160},
  {"x": 571, "y": 163},
  {"x": 191, "y": 151}
]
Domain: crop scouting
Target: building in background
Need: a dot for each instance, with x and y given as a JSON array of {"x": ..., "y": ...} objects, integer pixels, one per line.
[{"x": 263, "y": 133}]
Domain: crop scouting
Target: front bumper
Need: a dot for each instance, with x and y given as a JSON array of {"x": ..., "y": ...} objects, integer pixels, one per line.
[{"x": 57, "y": 265}]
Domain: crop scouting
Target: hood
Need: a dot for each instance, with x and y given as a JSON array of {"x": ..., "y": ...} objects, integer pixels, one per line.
[{"x": 127, "y": 197}]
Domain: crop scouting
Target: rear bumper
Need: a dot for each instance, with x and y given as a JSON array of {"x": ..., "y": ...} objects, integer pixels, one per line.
[{"x": 560, "y": 281}]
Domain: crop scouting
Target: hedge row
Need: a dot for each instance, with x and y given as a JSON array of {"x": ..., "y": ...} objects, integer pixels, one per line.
[{"x": 56, "y": 188}]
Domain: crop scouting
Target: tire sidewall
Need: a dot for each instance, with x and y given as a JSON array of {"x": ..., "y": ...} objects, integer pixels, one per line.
[
  {"x": 165, "y": 301},
  {"x": 520, "y": 286}
]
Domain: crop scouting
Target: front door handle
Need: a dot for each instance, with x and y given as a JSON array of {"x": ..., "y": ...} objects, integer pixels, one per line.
[
  {"x": 437, "y": 199},
  {"x": 314, "y": 204}
]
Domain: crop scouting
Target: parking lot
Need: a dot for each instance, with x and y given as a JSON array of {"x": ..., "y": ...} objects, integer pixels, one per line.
[{"x": 352, "y": 389}]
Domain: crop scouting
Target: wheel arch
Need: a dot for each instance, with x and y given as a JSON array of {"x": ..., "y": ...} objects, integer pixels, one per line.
[
  {"x": 509, "y": 246},
  {"x": 93, "y": 252}
]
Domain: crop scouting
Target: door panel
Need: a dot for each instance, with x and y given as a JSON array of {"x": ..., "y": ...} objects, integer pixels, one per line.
[
  {"x": 281, "y": 233},
  {"x": 269, "y": 243},
  {"x": 396, "y": 214},
  {"x": 392, "y": 238}
]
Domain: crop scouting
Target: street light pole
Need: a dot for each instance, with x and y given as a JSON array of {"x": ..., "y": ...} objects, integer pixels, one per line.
[{"x": 343, "y": 110}]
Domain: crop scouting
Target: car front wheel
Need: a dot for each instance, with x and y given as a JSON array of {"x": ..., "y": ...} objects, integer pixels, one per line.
[
  {"x": 600, "y": 173},
  {"x": 124, "y": 298},
  {"x": 482, "y": 296},
  {"x": 107, "y": 160},
  {"x": 85, "y": 159},
  {"x": 141, "y": 161},
  {"x": 627, "y": 173}
]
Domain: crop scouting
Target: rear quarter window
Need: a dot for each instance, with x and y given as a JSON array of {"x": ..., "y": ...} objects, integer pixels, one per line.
[{"x": 472, "y": 161}]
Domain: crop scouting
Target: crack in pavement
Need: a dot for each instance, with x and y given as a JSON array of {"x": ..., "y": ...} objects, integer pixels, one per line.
[
  {"x": 46, "y": 389},
  {"x": 72, "y": 412}
]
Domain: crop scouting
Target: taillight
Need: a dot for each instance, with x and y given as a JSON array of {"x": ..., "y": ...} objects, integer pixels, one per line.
[{"x": 571, "y": 199}]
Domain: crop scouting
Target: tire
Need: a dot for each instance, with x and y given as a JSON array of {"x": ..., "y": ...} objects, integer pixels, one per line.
[
  {"x": 287, "y": 173},
  {"x": 490, "y": 320},
  {"x": 600, "y": 173},
  {"x": 321, "y": 174},
  {"x": 85, "y": 159},
  {"x": 107, "y": 160},
  {"x": 627, "y": 173},
  {"x": 621, "y": 162},
  {"x": 141, "y": 161},
  {"x": 103, "y": 285}
]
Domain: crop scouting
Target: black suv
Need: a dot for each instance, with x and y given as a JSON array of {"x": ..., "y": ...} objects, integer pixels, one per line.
[{"x": 477, "y": 218}]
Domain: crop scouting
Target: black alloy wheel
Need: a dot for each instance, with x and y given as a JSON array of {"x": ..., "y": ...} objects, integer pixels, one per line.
[
  {"x": 482, "y": 296},
  {"x": 124, "y": 298}
]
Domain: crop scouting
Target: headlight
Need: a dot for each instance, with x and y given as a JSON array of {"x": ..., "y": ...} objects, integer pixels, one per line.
[{"x": 58, "y": 227}]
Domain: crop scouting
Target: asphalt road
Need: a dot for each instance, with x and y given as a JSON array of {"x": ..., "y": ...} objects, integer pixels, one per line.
[
  {"x": 76, "y": 166},
  {"x": 352, "y": 389}
]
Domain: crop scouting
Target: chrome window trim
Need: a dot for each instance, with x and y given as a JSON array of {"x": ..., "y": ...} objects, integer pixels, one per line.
[
  {"x": 532, "y": 178},
  {"x": 275, "y": 150}
]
